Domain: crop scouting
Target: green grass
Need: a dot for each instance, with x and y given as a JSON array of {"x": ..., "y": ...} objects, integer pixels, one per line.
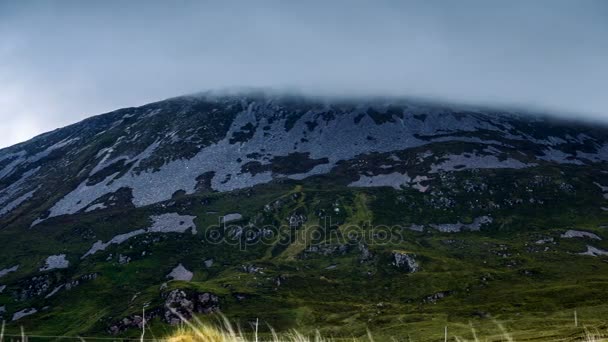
[{"x": 497, "y": 275}]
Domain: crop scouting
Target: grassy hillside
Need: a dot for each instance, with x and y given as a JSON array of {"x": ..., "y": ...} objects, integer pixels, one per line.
[{"x": 327, "y": 259}]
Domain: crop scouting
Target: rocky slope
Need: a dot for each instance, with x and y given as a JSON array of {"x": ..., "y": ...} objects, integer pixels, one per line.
[{"x": 125, "y": 205}]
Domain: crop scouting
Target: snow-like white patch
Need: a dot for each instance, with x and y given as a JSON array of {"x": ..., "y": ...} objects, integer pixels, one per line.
[
  {"x": 579, "y": 234},
  {"x": 417, "y": 180},
  {"x": 180, "y": 273},
  {"x": 604, "y": 189},
  {"x": 326, "y": 140},
  {"x": 11, "y": 192},
  {"x": 394, "y": 180},
  {"x": 600, "y": 156},
  {"x": 106, "y": 161},
  {"x": 544, "y": 241},
  {"x": 8, "y": 169},
  {"x": 331, "y": 139},
  {"x": 55, "y": 262},
  {"x": 555, "y": 141},
  {"x": 492, "y": 150},
  {"x": 165, "y": 223},
  {"x": 23, "y": 313},
  {"x": 8, "y": 270},
  {"x": 558, "y": 156},
  {"x": 48, "y": 150},
  {"x": 231, "y": 217},
  {"x": 478, "y": 222},
  {"x": 36, "y": 221},
  {"x": 592, "y": 251},
  {"x": 55, "y": 290},
  {"x": 2, "y": 287},
  {"x": 104, "y": 152},
  {"x": 397, "y": 159},
  {"x": 317, "y": 170},
  {"x": 117, "y": 240},
  {"x": 10, "y": 206},
  {"x": 4, "y": 155},
  {"x": 172, "y": 223},
  {"x": 98, "y": 206},
  {"x": 21, "y": 158},
  {"x": 457, "y": 162},
  {"x": 416, "y": 228}
]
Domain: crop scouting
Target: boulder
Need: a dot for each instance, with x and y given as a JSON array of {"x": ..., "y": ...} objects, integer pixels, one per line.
[
  {"x": 180, "y": 303},
  {"x": 406, "y": 262}
]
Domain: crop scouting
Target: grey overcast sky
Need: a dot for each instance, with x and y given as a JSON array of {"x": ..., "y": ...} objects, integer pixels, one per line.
[{"x": 61, "y": 61}]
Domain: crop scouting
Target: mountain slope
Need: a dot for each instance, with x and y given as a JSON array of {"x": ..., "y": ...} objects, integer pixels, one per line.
[{"x": 257, "y": 204}]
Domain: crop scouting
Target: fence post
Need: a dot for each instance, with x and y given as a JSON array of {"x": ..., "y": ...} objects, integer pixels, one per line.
[{"x": 143, "y": 324}]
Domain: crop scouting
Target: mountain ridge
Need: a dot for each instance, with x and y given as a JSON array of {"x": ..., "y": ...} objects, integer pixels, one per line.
[
  {"x": 121, "y": 203},
  {"x": 253, "y": 92},
  {"x": 193, "y": 101}
]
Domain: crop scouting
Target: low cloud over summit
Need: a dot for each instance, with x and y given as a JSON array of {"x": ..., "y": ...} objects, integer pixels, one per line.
[{"x": 63, "y": 61}]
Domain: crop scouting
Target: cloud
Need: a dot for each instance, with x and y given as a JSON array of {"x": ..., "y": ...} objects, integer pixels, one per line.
[{"x": 64, "y": 61}]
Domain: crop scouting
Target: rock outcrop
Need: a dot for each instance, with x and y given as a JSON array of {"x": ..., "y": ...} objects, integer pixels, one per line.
[
  {"x": 178, "y": 304},
  {"x": 406, "y": 262}
]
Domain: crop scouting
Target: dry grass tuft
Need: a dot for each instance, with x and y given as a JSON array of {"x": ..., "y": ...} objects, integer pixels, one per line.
[{"x": 197, "y": 331}]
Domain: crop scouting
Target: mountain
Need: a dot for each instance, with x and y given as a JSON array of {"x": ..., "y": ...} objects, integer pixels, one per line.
[{"x": 400, "y": 216}]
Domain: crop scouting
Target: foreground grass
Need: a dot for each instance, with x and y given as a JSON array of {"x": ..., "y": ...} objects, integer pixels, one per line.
[
  {"x": 225, "y": 331},
  {"x": 197, "y": 331}
]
